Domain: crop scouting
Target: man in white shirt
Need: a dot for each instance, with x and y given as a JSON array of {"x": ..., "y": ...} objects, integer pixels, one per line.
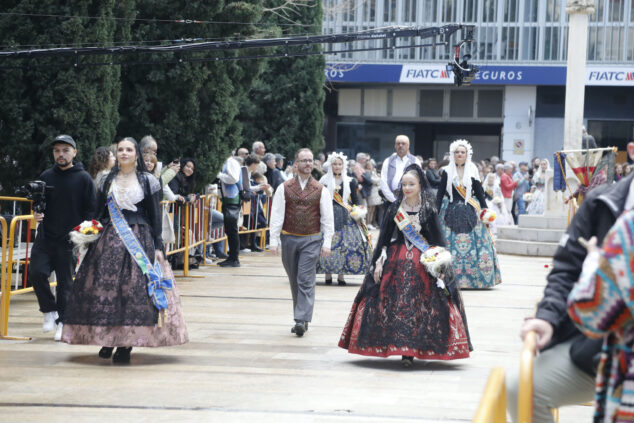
[
  {"x": 302, "y": 222},
  {"x": 393, "y": 167},
  {"x": 231, "y": 184}
]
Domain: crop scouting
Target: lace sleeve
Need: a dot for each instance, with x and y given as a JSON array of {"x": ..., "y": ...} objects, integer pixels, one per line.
[{"x": 155, "y": 185}]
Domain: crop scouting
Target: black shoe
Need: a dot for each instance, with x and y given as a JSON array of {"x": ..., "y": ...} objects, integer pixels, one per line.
[
  {"x": 407, "y": 361},
  {"x": 341, "y": 282},
  {"x": 229, "y": 263},
  {"x": 299, "y": 329},
  {"x": 105, "y": 352},
  {"x": 328, "y": 281},
  {"x": 255, "y": 249},
  {"x": 122, "y": 355},
  {"x": 221, "y": 255}
]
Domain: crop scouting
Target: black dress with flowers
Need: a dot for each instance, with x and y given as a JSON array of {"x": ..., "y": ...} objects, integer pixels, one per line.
[{"x": 407, "y": 313}]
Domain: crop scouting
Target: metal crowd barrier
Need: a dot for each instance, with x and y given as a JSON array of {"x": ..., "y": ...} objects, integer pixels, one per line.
[
  {"x": 492, "y": 407},
  {"x": 190, "y": 222},
  {"x": 15, "y": 254}
]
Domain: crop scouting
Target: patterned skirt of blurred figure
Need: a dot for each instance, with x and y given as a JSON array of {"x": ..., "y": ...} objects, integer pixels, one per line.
[
  {"x": 475, "y": 261},
  {"x": 351, "y": 251}
]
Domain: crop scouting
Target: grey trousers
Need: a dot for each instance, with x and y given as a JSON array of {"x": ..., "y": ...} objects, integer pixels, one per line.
[
  {"x": 556, "y": 382},
  {"x": 299, "y": 256}
]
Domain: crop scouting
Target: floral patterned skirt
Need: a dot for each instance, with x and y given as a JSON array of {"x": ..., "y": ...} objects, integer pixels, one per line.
[
  {"x": 351, "y": 252},
  {"x": 109, "y": 304},
  {"x": 407, "y": 314},
  {"x": 475, "y": 261}
]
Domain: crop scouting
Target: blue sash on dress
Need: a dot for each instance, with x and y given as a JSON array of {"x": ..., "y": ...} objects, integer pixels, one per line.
[
  {"x": 157, "y": 281},
  {"x": 412, "y": 235}
]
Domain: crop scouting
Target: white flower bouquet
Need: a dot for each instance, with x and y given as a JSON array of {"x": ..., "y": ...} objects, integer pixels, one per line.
[
  {"x": 83, "y": 235},
  {"x": 435, "y": 259},
  {"x": 358, "y": 213},
  {"x": 488, "y": 216}
]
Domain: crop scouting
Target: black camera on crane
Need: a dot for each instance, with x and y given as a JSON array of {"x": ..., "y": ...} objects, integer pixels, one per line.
[
  {"x": 36, "y": 192},
  {"x": 463, "y": 72}
]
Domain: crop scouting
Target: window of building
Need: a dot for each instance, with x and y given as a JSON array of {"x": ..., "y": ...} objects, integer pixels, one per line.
[
  {"x": 530, "y": 46},
  {"x": 506, "y": 30},
  {"x": 409, "y": 10},
  {"x": 611, "y": 133},
  {"x": 487, "y": 42},
  {"x": 614, "y": 38},
  {"x": 431, "y": 103},
  {"x": 389, "y": 10},
  {"x": 510, "y": 39},
  {"x": 616, "y": 10},
  {"x": 461, "y": 103},
  {"x": 490, "y": 103},
  {"x": 530, "y": 10},
  {"x": 470, "y": 10},
  {"x": 429, "y": 9},
  {"x": 551, "y": 47},
  {"x": 489, "y": 12},
  {"x": 552, "y": 10},
  {"x": 449, "y": 10},
  {"x": 511, "y": 11}
]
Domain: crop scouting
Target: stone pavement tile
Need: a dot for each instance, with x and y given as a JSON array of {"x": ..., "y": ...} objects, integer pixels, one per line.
[{"x": 243, "y": 364}]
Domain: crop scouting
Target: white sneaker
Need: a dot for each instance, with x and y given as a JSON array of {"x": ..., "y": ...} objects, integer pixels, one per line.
[
  {"x": 58, "y": 333},
  {"x": 245, "y": 250},
  {"x": 49, "y": 321},
  {"x": 209, "y": 261}
]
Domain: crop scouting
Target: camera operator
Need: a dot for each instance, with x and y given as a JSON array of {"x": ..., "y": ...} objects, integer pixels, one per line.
[{"x": 71, "y": 202}]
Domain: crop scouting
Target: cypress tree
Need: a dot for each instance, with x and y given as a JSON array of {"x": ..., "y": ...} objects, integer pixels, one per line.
[
  {"x": 285, "y": 107},
  {"x": 43, "y": 98},
  {"x": 189, "y": 107}
]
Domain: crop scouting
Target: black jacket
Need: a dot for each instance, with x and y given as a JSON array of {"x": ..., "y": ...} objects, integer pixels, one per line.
[
  {"x": 70, "y": 203},
  {"x": 433, "y": 176},
  {"x": 596, "y": 215},
  {"x": 148, "y": 210}
]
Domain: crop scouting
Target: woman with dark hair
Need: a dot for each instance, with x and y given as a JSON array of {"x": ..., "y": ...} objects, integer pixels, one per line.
[
  {"x": 463, "y": 215},
  {"x": 184, "y": 183},
  {"x": 102, "y": 161},
  {"x": 110, "y": 304},
  {"x": 409, "y": 303}
]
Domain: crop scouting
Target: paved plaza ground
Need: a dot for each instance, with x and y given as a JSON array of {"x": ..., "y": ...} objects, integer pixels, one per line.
[{"x": 242, "y": 364}]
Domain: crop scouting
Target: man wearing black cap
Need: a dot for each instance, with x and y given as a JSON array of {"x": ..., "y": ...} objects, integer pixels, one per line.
[{"x": 70, "y": 202}]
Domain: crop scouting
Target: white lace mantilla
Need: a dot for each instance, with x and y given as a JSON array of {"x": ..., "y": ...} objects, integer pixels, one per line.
[{"x": 127, "y": 197}]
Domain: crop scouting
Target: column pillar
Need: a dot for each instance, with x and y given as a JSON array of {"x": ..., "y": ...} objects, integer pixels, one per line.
[{"x": 579, "y": 10}]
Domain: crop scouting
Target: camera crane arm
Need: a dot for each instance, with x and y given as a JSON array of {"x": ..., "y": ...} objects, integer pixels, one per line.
[{"x": 464, "y": 73}]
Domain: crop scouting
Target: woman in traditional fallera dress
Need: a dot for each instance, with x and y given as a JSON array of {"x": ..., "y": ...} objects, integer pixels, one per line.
[
  {"x": 351, "y": 250},
  {"x": 110, "y": 303},
  {"x": 461, "y": 216},
  {"x": 409, "y": 303}
]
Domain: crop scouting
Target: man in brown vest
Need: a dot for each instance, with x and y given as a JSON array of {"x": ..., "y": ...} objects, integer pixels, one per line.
[{"x": 302, "y": 223}]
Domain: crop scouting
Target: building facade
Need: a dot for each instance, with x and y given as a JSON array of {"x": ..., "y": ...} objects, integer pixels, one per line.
[{"x": 515, "y": 106}]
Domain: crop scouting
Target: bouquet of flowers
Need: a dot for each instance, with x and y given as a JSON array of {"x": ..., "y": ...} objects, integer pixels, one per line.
[
  {"x": 435, "y": 259},
  {"x": 528, "y": 197},
  {"x": 83, "y": 235},
  {"x": 358, "y": 213},
  {"x": 488, "y": 216}
]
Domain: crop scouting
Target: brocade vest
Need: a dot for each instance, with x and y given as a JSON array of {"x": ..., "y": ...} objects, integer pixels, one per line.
[{"x": 302, "y": 215}]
